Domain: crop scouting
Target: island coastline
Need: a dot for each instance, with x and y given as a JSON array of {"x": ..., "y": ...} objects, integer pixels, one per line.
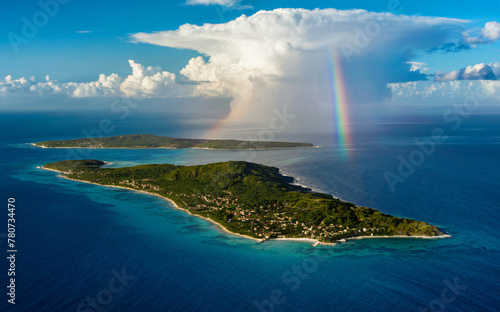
[
  {"x": 150, "y": 141},
  {"x": 173, "y": 148},
  {"x": 315, "y": 242}
]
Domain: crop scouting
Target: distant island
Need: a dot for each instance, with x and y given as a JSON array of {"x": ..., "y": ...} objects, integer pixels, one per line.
[
  {"x": 252, "y": 200},
  {"x": 153, "y": 141}
]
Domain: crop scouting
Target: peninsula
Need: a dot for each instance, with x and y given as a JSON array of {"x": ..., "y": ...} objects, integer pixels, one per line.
[
  {"x": 250, "y": 199},
  {"x": 153, "y": 141}
]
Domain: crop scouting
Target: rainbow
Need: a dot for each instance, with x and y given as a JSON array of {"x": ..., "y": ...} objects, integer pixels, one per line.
[{"x": 341, "y": 114}]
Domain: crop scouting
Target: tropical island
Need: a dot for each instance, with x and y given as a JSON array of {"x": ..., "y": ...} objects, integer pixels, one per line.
[
  {"x": 250, "y": 199},
  {"x": 153, "y": 141}
]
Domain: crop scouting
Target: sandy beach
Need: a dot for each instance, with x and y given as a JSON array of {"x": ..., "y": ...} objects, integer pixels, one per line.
[{"x": 401, "y": 236}]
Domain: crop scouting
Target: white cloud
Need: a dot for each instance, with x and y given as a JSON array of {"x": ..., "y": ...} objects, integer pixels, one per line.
[
  {"x": 453, "y": 75},
  {"x": 143, "y": 82},
  {"x": 418, "y": 66},
  {"x": 491, "y": 31},
  {"x": 445, "y": 92},
  {"x": 479, "y": 81},
  {"x": 477, "y": 72},
  {"x": 104, "y": 86},
  {"x": 234, "y": 4},
  {"x": 495, "y": 67},
  {"x": 210, "y": 2},
  {"x": 17, "y": 84},
  {"x": 150, "y": 82},
  {"x": 212, "y": 81},
  {"x": 84, "y": 31},
  {"x": 488, "y": 34}
]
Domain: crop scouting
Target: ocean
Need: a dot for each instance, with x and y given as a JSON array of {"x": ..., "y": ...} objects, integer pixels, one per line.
[{"x": 83, "y": 247}]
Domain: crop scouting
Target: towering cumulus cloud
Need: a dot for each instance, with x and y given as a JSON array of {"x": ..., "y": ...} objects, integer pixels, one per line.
[
  {"x": 284, "y": 60},
  {"x": 279, "y": 57}
]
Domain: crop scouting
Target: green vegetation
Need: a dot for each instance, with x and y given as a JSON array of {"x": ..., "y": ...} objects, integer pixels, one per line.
[
  {"x": 153, "y": 141},
  {"x": 250, "y": 199},
  {"x": 69, "y": 165}
]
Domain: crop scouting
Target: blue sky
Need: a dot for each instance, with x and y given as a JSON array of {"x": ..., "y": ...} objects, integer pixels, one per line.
[{"x": 59, "y": 51}]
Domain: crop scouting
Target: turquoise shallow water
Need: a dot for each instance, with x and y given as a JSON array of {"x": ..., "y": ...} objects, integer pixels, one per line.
[{"x": 75, "y": 238}]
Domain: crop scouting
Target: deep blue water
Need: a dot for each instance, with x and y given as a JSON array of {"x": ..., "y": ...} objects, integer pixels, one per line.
[{"x": 72, "y": 236}]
